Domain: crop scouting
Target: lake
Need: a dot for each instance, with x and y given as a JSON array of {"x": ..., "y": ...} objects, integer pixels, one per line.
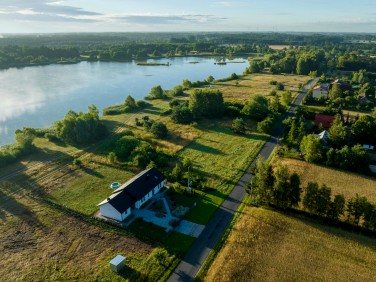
[{"x": 38, "y": 96}]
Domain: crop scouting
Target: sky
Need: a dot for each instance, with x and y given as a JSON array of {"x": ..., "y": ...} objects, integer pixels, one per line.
[{"x": 50, "y": 16}]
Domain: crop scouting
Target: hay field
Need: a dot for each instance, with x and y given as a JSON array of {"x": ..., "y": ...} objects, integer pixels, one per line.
[
  {"x": 341, "y": 182},
  {"x": 265, "y": 245},
  {"x": 42, "y": 244},
  {"x": 258, "y": 84}
]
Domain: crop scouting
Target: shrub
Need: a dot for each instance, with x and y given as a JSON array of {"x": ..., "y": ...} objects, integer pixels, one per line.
[
  {"x": 279, "y": 86},
  {"x": 273, "y": 82},
  {"x": 238, "y": 125},
  {"x": 159, "y": 129},
  {"x": 182, "y": 115}
]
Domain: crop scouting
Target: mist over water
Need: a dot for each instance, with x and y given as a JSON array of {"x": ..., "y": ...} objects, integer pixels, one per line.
[{"x": 38, "y": 96}]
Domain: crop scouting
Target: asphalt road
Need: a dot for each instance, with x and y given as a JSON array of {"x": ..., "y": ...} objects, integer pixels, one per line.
[{"x": 196, "y": 256}]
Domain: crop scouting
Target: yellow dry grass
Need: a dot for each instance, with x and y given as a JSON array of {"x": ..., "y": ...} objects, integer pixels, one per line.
[
  {"x": 258, "y": 84},
  {"x": 41, "y": 244},
  {"x": 266, "y": 245},
  {"x": 341, "y": 182},
  {"x": 278, "y": 47}
]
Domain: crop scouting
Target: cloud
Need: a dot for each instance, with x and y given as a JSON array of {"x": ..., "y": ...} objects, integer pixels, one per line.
[
  {"x": 57, "y": 11},
  {"x": 155, "y": 19},
  {"x": 43, "y": 10}
]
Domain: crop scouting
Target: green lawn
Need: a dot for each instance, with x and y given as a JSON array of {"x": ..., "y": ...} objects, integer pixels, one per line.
[
  {"x": 178, "y": 242},
  {"x": 147, "y": 230},
  {"x": 83, "y": 194},
  {"x": 222, "y": 158}
]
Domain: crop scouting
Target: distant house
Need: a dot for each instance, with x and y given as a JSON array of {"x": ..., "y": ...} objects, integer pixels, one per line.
[
  {"x": 320, "y": 90},
  {"x": 324, "y": 120},
  {"x": 343, "y": 85},
  {"x": 132, "y": 194},
  {"x": 324, "y": 136},
  {"x": 362, "y": 99}
]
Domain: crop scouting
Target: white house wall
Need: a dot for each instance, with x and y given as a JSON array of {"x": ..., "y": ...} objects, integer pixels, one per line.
[
  {"x": 109, "y": 211},
  {"x": 148, "y": 196},
  {"x": 318, "y": 93}
]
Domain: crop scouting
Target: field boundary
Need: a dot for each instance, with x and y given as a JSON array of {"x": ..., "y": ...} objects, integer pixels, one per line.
[{"x": 219, "y": 245}]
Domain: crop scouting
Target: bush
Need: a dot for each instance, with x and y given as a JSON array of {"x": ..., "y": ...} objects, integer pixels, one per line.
[
  {"x": 273, "y": 82},
  {"x": 156, "y": 92},
  {"x": 182, "y": 115},
  {"x": 142, "y": 104},
  {"x": 238, "y": 125},
  {"x": 279, "y": 86},
  {"x": 159, "y": 129},
  {"x": 273, "y": 93},
  {"x": 265, "y": 126},
  {"x": 178, "y": 91}
]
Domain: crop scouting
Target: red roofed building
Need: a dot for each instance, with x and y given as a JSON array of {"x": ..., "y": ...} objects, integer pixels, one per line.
[{"x": 325, "y": 120}]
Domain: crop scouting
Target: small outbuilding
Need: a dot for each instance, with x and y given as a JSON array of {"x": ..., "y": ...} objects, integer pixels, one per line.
[{"x": 117, "y": 263}]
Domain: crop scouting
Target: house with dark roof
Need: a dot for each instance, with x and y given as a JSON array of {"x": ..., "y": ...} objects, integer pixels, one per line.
[
  {"x": 342, "y": 84},
  {"x": 324, "y": 120},
  {"x": 132, "y": 194}
]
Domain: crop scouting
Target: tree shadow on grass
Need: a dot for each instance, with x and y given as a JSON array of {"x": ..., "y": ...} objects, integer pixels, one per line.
[
  {"x": 204, "y": 148},
  {"x": 152, "y": 110},
  {"x": 9, "y": 204},
  {"x": 131, "y": 274},
  {"x": 91, "y": 171}
]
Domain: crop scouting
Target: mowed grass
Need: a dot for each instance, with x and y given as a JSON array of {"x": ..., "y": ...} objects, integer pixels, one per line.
[
  {"x": 341, "y": 182},
  {"x": 265, "y": 245},
  {"x": 253, "y": 84},
  {"x": 84, "y": 192},
  {"x": 221, "y": 155}
]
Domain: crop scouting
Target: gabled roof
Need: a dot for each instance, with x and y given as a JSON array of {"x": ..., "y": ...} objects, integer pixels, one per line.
[
  {"x": 134, "y": 189},
  {"x": 325, "y": 120},
  {"x": 142, "y": 183},
  {"x": 323, "y": 135},
  {"x": 120, "y": 201},
  {"x": 321, "y": 88}
]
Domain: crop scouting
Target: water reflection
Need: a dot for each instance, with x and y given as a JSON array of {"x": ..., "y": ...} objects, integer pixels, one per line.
[{"x": 38, "y": 96}]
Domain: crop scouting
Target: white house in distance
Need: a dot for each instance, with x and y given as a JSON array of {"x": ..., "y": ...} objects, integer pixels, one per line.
[
  {"x": 132, "y": 194},
  {"x": 320, "y": 90}
]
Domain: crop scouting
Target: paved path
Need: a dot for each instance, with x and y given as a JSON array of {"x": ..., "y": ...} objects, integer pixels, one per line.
[
  {"x": 196, "y": 256},
  {"x": 190, "y": 228}
]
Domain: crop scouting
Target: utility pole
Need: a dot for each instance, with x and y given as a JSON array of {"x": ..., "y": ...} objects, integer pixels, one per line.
[
  {"x": 250, "y": 192},
  {"x": 189, "y": 183}
]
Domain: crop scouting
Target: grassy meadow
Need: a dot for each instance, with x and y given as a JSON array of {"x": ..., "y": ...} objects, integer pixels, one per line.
[
  {"x": 60, "y": 247},
  {"x": 265, "y": 245},
  {"x": 341, "y": 182},
  {"x": 242, "y": 89},
  {"x": 42, "y": 244}
]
